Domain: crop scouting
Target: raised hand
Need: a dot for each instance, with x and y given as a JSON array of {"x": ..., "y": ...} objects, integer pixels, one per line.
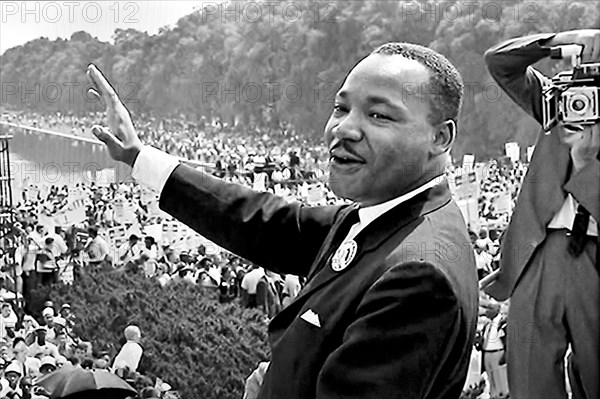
[{"x": 120, "y": 137}]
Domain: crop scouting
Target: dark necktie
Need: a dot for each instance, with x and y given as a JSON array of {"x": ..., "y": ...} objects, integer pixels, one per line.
[
  {"x": 342, "y": 231},
  {"x": 578, "y": 236}
]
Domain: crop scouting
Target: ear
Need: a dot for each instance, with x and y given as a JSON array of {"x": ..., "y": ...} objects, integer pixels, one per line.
[{"x": 444, "y": 136}]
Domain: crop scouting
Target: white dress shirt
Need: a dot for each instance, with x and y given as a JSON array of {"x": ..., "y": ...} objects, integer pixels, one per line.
[
  {"x": 368, "y": 214},
  {"x": 565, "y": 217}
]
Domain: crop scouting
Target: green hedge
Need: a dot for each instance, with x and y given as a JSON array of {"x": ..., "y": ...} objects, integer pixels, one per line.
[{"x": 200, "y": 347}]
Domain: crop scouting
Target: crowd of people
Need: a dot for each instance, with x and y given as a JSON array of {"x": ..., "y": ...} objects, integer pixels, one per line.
[{"x": 49, "y": 254}]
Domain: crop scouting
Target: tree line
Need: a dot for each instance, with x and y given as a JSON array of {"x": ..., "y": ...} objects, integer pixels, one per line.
[{"x": 280, "y": 70}]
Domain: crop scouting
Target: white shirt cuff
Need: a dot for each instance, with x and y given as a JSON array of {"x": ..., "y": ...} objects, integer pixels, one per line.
[{"x": 153, "y": 167}]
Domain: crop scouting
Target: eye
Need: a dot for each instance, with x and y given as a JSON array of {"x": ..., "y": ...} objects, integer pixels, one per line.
[
  {"x": 377, "y": 115},
  {"x": 339, "y": 109}
]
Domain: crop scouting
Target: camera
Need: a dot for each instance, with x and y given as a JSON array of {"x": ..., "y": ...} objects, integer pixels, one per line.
[{"x": 572, "y": 97}]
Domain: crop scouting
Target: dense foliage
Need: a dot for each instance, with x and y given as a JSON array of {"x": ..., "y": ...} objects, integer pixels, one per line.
[
  {"x": 285, "y": 69},
  {"x": 202, "y": 348}
]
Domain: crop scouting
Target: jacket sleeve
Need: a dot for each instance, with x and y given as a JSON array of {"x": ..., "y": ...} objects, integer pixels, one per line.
[
  {"x": 509, "y": 64},
  {"x": 260, "y": 227},
  {"x": 404, "y": 330}
]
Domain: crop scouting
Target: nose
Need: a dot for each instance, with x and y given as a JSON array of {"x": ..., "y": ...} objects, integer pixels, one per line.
[{"x": 348, "y": 128}]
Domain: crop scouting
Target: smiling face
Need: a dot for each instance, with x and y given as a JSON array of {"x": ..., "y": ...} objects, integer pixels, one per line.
[{"x": 379, "y": 135}]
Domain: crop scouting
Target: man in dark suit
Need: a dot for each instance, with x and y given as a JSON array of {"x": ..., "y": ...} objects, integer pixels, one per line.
[
  {"x": 549, "y": 251},
  {"x": 390, "y": 307}
]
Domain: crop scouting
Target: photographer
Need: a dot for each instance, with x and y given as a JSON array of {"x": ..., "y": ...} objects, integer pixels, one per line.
[{"x": 550, "y": 249}]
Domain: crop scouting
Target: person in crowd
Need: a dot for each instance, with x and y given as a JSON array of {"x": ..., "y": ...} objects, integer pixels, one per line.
[
  {"x": 8, "y": 322},
  {"x": 483, "y": 259},
  {"x": 267, "y": 294},
  {"x": 29, "y": 325},
  {"x": 48, "y": 365},
  {"x": 49, "y": 316},
  {"x": 47, "y": 268},
  {"x": 27, "y": 387},
  {"x": 228, "y": 285},
  {"x": 60, "y": 247},
  {"x": 249, "y": 284},
  {"x": 40, "y": 346},
  {"x": 291, "y": 289},
  {"x": 29, "y": 364},
  {"x": 130, "y": 250},
  {"x": 63, "y": 341},
  {"x": 97, "y": 249},
  {"x": 102, "y": 360},
  {"x": 355, "y": 330},
  {"x": 168, "y": 262},
  {"x": 11, "y": 381},
  {"x": 29, "y": 266},
  {"x": 549, "y": 262},
  {"x": 150, "y": 248},
  {"x": 66, "y": 313},
  {"x": 37, "y": 235},
  {"x": 130, "y": 354},
  {"x": 61, "y": 361}
]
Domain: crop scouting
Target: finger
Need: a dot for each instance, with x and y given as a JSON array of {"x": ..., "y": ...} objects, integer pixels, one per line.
[
  {"x": 102, "y": 85},
  {"x": 95, "y": 95},
  {"x": 105, "y": 136}
]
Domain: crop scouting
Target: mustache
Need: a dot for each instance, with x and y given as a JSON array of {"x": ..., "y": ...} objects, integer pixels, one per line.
[{"x": 344, "y": 145}]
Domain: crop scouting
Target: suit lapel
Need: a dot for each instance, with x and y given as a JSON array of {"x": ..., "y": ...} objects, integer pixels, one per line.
[{"x": 370, "y": 239}]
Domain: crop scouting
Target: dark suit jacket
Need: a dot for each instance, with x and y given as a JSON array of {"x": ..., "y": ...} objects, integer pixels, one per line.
[
  {"x": 398, "y": 322},
  {"x": 547, "y": 182}
]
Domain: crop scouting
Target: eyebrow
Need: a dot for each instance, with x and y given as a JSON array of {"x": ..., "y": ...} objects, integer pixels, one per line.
[{"x": 376, "y": 100}]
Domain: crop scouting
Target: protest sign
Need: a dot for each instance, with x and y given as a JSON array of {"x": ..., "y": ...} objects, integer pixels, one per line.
[
  {"x": 106, "y": 177},
  {"x": 315, "y": 193},
  {"x": 502, "y": 203},
  {"x": 513, "y": 151},
  {"x": 155, "y": 231},
  {"x": 116, "y": 236},
  {"x": 530, "y": 150},
  {"x": 466, "y": 185},
  {"x": 468, "y": 162},
  {"x": 72, "y": 213},
  {"x": 470, "y": 211}
]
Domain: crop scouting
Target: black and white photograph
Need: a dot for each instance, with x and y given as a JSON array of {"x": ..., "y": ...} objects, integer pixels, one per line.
[{"x": 300, "y": 199}]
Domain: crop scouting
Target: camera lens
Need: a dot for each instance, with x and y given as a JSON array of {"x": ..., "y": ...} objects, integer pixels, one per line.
[{"x": 578, "y": 105}]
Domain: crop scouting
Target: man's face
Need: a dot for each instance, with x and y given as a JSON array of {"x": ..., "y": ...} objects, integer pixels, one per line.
[
  {"x": 378, "y": 134},
  {"x": 5, "y": 311},
  {"x": 12, "y": 378},
  {"x": 47, "y": 369},
  {"x": 49, "y": 319}
]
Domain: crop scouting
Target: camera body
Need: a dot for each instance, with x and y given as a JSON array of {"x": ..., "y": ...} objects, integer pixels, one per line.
[{"x": 572, "y": 97}]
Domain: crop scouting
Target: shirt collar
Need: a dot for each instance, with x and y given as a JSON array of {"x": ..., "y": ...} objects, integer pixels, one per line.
[{"x": 370, "y": 213}]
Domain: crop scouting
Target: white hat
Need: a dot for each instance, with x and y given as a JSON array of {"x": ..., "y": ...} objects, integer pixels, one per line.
[
  {"x": 48, "y": 312},
  {"x": 48, "y": 360},
  {"x": 14, "y": 367}
]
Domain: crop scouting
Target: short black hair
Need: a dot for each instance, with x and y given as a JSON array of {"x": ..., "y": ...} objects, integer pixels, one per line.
[{"x": 445, "y": 86}]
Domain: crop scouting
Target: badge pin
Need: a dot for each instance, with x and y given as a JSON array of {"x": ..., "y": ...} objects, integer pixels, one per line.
[{"x": 344, "y": 255}]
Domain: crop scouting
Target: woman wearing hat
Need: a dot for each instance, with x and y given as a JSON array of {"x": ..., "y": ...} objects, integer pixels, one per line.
[{"x": 10, "y": 382}]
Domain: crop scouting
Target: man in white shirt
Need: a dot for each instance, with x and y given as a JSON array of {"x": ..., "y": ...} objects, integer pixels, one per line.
[
  {"x": 130, "y": 354},
  {"x": 130, "y": 250},
  {"x": 390, "y": 307},
  {"x": 97, "y": 249},
  {"x": 248, "y": 285}
]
